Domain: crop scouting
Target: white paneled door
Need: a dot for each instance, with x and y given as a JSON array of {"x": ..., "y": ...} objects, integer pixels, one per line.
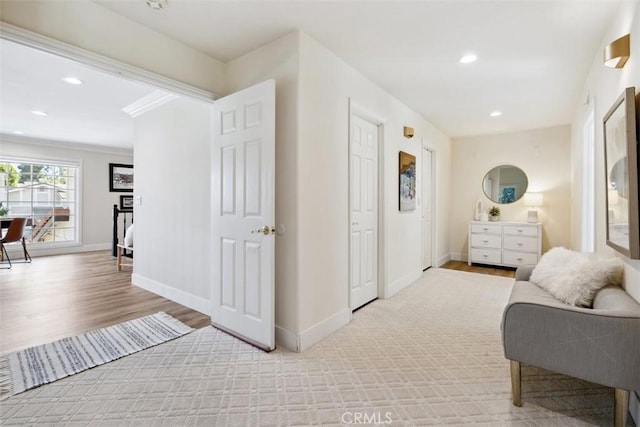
[
  {"x": 427, "y": 213},
  {"x": 363, "y": 200},
  {"x": 243, "y": 212}
]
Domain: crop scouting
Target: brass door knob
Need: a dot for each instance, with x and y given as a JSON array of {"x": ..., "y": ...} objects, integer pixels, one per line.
[{"x": 264, "y": 230}]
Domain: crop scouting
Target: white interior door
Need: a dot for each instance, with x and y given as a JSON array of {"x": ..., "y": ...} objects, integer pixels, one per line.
[
  {"x": 363, "y": 199},
  {"x": 427, "y": 213},
  {"x": 243, "y": 214}
]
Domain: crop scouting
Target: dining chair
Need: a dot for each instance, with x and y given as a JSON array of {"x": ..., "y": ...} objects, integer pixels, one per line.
[{"x": 15, "y": 234}]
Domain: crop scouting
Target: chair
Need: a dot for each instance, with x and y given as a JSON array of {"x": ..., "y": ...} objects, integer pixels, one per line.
[{"x": 15, "y": 233}]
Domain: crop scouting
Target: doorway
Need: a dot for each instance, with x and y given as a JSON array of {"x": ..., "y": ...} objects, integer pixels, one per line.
[
  {"x": 427, "y": 208},
  {"x": 364, "y": 142}
]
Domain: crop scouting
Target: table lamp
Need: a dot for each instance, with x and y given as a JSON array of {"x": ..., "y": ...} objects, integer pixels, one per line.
[{"x": 533, "y": 200}]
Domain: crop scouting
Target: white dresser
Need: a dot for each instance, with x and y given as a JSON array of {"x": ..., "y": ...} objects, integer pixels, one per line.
[{"x": 505, "y": 243}]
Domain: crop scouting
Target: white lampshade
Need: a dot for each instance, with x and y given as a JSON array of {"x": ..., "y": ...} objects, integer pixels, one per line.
[{"x": 533, "y": 199}]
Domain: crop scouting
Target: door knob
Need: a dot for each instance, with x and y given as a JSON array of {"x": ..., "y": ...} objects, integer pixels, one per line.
[{"x": 264, "y": 230}]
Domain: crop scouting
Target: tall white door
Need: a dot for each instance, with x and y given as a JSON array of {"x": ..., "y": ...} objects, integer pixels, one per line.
[
  {"x": 427, "y": 212},
  {"x": 363, "y": 199},
  {"x": 243, "y": 214}
]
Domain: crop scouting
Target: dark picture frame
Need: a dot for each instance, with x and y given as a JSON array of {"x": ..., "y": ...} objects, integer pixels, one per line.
[
  {"x": 120, "y": 178},
  {"x": 621, "y": 169},
  {"x": 407, "y": 182},
  {"x": 126, "y": 203}
]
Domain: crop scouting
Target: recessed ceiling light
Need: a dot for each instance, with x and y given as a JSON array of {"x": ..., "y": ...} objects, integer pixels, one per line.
[
  {"x": 157, "y": 4},
  {"x": 467, "y": 59},
  {"x": 18, "y": 132},
  {"x": 39, "y": 113},
  {"x": 72, "y": 80},
  {"x": 495, "y": 114}
]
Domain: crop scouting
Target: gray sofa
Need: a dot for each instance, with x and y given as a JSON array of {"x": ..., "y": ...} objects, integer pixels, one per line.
[{"x": 599, "y": 344}]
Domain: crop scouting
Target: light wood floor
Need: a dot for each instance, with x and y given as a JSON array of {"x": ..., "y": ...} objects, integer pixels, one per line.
[
  {"x": 483, "y": 269},
  {"x": 60, "y": 296}
]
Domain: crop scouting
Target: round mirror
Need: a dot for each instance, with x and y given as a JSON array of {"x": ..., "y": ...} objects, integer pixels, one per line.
[{"x": 505, "y": 184}]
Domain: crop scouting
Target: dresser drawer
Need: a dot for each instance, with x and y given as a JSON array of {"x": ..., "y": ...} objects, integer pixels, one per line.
[
  {"x": 485, "y": 228},
  {"x": 486, "y": 241},
  {"x": 519, "y": 258},
  {"x": 520, "y": 243},
  {"x": 489, "y": 256},
  {"x": 520, "y": 230}
]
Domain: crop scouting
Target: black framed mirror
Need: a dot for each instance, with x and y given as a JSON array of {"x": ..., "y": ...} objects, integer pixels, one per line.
[{"x": 505, "y": 184}]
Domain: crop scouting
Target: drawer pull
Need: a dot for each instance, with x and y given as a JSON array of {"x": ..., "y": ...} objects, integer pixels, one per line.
[
  {"x": 485, "y": 229},
  {"x": 485, "y": 241},
  {"x": 485, "y": 256},
  {"x": 519, "y": 231},
  {"x": 519, "y": 244},
  {"x": 519, "y": 259}
]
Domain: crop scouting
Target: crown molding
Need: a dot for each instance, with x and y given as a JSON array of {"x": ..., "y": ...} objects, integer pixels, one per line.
[
  {"x": 99, "y": 62},
  {"x": 66, "y": 145},
  {"x": 148, "y": 103}
]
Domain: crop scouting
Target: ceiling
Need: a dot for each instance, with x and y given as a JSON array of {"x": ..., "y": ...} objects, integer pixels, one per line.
[{"x": 533, "y": 58}]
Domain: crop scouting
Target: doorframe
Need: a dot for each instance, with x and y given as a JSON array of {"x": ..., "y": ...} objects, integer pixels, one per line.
[
  {"x": 434, "y": 211},
  {"x": 359, "y": 110}
]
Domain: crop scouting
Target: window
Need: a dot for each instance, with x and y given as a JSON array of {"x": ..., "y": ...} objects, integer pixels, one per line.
[{"x": 46, "y": 192}]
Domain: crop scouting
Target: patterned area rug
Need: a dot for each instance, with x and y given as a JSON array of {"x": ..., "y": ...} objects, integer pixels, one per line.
[
  {"x": 29, "y": 368},
  {"x": 429, "y": 356}
]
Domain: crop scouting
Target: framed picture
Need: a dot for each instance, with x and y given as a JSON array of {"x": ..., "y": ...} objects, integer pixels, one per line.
[
  {"x": 407, "y": 173},
  {"x": 120, "y": 178},
  {"x": 126, "y": 203},
  {"x": 621, "y": 168}
]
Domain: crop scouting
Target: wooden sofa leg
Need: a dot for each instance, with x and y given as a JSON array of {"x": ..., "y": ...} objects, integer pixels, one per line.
[
  {"x": 621, "y": 407},
  {"x": 515, "y": 383}
]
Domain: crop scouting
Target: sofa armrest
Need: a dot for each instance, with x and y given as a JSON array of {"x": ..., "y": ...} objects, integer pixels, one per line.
[
  {"x": 524, "y": 272},
  {"x": 595, "y": 345}
]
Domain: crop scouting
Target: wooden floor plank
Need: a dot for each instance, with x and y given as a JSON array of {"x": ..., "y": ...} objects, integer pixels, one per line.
[
  {"x": 65, "y": 295},
  {"x": 483, "y": 269}
]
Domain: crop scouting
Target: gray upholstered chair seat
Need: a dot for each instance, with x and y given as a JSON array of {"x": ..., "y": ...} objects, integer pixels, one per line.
[{"x": 599, "y": 344}]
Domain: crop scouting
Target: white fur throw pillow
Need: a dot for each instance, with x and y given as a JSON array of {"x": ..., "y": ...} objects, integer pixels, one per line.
[{"x": 575, "y": 277}]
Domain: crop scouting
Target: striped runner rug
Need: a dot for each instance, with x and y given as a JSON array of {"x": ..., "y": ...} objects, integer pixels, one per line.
[{"x": 29, "y": 368}]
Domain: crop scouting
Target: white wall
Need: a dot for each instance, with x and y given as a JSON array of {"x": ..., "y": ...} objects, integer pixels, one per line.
[
  {"x": 90, "y": 26},
  {"x": 545, "y": 157},
  {"x": 313, "y": 89},
  {"x": 172, "y": 232},
  {"x": 602, "y": 87},
  {"x": 96, "y": 200},
  {"x": 327, "y": 84}
]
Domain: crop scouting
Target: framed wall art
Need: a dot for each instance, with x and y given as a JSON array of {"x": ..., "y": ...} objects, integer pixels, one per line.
[
  {"x": 407, "y": 174},
  {"x": 120, "y": 178}
]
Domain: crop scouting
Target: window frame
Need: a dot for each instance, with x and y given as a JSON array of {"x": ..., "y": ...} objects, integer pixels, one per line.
[{"x": 78, "y": 214}]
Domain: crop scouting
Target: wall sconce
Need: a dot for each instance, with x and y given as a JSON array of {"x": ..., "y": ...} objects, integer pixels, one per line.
[
  {"x": 617, "y": 53},
  {"x": 408, "y": 132},
  {"x": 533, "y": 200}
]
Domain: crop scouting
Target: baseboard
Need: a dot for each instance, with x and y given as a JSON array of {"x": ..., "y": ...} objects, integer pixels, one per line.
[
  {"x": 323, "y": 329},
  {"x": 397, "y": 285},
  {"x": 458, "y": 256},
  {"x": 444, "y": 259},
  {"x": 188, "y": 300},
  {"x": 634, "y": 406},
  {"x": 16, "y": 250},
  {"x": 287, "y": 339}
]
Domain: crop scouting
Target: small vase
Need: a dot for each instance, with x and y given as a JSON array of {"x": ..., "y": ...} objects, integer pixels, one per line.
[{"x": 493, "y": 218}]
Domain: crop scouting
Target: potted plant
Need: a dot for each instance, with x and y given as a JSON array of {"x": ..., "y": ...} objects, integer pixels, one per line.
[{"x": 494, "y": 213}]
